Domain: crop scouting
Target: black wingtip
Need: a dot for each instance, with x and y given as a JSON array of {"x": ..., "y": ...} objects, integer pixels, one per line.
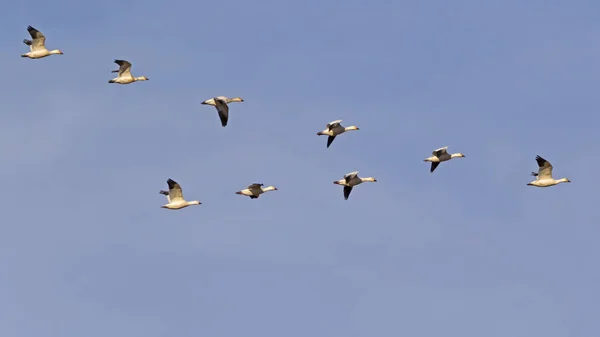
[
  {"x": 434, "y": 165},
  {"x": 330, "y": 140},
  {"x": 540, "y": 161},
  {"x": 27, "y": 42}
]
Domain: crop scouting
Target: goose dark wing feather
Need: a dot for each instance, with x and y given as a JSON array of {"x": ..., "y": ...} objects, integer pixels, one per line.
[
  {"x": 330, "y": 140},
  {"x": 541, "y": 161},
  {"x": 35, "y": 34},
  {"x": 347, "y": 191}
]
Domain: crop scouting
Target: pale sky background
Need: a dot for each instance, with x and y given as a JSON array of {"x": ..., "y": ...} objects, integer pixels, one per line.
[{"x": 468, "y": 251}]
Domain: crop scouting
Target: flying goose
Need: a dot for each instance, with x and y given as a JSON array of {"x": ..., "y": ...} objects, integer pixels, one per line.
[
  {"x": 124, "y": 74},
  {"x": 175, "y": 196},
  {"x": 220, "y": 102},
  {"x": 332, "y": 129},
  {"x": 37, "y": 46},
  {"x": 255, "y": 190},
  {"x": 544, "y": 175},
  {"x": 350, "y": 180},
  {"x": 440, "y": 155}
]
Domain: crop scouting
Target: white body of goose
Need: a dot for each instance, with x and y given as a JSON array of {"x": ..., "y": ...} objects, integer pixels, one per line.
[
  {"x": 37, "y": 45},
  {"x": 441, "y": 155},
  {"x": 544, "y": 175},
  {"x": 175, "y": 197},
  {"x": 350, "y": 180},
  {"x": 255, "y": 190},
  {"x": 220, "y": 102},
  {"x": 333, "y": 129},
  {"x": 124, "y": 74}
]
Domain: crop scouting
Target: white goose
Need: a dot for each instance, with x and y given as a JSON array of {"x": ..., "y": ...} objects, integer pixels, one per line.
[
  {"x": 333, "y": 129},
  {"x": 175, "y": 197},
  {"x": 220, "y": 102},
  {"x": 255, "y": 190},
  {"x": 350, "y": 180},
  {"x": 37, "y": 46},
  {"x": 441, "y": 155},
  {"x": 544, "y": 175},
  {"x": 124, "y": 74}
]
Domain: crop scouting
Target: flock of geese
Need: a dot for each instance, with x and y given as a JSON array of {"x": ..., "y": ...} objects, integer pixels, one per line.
[{"x": 175, "y": 199}]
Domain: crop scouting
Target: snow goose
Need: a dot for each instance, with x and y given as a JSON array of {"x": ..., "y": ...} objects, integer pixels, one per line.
[
  {"x": 124, "y": 74},
  {"x": 333, "y": 129},
  {"x": 255, "y": 190},
  {"x": 37, "y": 45},
  {"x": 220, "y": 102},
  {"x": 350, "y": 180},
  {"x": 544, "y": 175},
  {"x": 175, "y": 196},
  {"x": 441, "y": 155}
]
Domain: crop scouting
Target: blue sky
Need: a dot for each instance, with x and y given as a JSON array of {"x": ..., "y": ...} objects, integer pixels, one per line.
[{"x": 470, "y": 250}]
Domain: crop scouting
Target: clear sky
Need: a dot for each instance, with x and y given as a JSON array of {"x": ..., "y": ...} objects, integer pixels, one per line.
[{"x": 468, "y": 251}]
